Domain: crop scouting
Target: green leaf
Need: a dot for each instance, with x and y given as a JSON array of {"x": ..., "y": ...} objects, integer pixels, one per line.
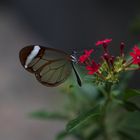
[
  {"x": 129, "y": 127},
  {"x": 129, "y": 93},
  {"x": 41, "y": 114},
  {"x": 62, "y": 135},
  {"x": 130, "y": 106},
  {"x": 96, "y": 133},
  {"x": 82, "y": 118},
  {"x": 125, "y": 136}
]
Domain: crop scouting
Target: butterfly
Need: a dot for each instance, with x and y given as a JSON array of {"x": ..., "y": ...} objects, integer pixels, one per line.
[{"x": 50, "y": 66}]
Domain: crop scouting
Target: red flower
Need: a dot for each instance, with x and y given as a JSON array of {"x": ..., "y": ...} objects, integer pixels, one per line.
[
  {"x": 93, "y": 68},
  {"x": 101, "y": 42},
  {"x": 85, "y": 56},
  {"x": 135, "y": 55}
]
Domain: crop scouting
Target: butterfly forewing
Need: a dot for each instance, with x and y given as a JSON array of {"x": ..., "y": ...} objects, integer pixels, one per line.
[{"x": 50, "y": 66}]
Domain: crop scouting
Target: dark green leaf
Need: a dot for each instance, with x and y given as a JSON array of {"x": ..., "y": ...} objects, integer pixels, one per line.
[
  {"x": 62, "y": 135},
  {"x": 125, "y": 136},
  {"x": 94, "y": 134},
  {"x": 47, "y": 115},
  {"x": 129, "y": 127},
  {"x": 130, "y": 106},
  {"x": 129, "y": 93},
  {"x": 82, "y": 118}
]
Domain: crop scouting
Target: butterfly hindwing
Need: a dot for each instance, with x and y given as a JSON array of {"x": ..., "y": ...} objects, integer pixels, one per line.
[{"x": 54, "y": 73}]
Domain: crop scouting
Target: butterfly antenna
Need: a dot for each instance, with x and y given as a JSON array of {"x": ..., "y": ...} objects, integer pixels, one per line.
[{"x": 77, "y": 76}]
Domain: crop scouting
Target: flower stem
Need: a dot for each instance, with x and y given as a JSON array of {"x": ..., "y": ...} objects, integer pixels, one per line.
[{"x": 104, "y": 112}]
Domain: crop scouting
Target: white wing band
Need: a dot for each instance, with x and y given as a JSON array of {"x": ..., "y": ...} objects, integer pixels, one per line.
[{"x": 32, "y": 55}]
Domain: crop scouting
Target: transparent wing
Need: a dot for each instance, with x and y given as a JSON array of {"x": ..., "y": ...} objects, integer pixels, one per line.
[
  {"x": 53, "y": 73},
  {"x": 52, "y": 67}
]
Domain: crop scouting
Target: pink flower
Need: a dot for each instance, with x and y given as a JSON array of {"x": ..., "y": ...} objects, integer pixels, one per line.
[
  {"x": 85, "y": 56},
  {"x": 93, "y": 68},
  {"x": 101, "y": 42},
  {"x": 135, "y": 55}
]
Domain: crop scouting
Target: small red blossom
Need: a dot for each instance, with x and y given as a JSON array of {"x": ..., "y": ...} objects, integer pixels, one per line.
[
  {"x": 93, "y": 68},
  {"x": 85, "y": 56},
  {"x": 135, "y": 55},
  {"x": 101, "y": 42}
]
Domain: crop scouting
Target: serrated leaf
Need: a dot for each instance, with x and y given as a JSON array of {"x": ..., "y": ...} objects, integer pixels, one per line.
[
  {"x": 82, "y": 118},
  {"x": 130, "y": 93},
  {"x": 41, "y": 114}
]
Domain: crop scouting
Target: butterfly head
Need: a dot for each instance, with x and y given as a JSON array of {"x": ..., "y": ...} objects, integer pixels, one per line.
[{"x": 74, "y": 57}]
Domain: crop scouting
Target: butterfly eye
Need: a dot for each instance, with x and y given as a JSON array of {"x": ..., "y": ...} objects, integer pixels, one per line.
[{"x": 50, "y": 66}]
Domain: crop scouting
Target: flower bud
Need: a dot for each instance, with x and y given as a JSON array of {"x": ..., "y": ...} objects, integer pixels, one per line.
[
  {"x": 111, "y": 59},
  {"x": 122, "y": 46}
]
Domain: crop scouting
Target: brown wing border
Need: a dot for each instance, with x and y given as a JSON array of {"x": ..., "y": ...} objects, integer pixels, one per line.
[{"x": 40, "y": 55}]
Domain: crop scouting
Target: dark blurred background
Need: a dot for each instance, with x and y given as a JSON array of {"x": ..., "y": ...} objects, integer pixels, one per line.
[{"x": 68, "y": 25}]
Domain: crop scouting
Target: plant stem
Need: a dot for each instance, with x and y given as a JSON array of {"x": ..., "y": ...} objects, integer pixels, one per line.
[{"x": 104, "y": 112}]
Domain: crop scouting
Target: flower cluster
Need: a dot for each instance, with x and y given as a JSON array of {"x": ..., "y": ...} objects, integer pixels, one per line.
[
  {"x": 111, "y": 66},
  {"x": 91, "y": 65}
]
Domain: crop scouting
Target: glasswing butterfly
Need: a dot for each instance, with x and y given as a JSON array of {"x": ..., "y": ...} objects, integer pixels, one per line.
[{"x": 50, "y": 66}]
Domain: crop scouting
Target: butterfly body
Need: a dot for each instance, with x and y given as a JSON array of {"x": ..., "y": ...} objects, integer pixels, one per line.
[{"x": 50, "y": 66}]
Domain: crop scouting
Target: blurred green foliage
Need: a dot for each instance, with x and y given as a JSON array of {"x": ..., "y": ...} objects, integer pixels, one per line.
[{"x": 91, "y": 116}]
